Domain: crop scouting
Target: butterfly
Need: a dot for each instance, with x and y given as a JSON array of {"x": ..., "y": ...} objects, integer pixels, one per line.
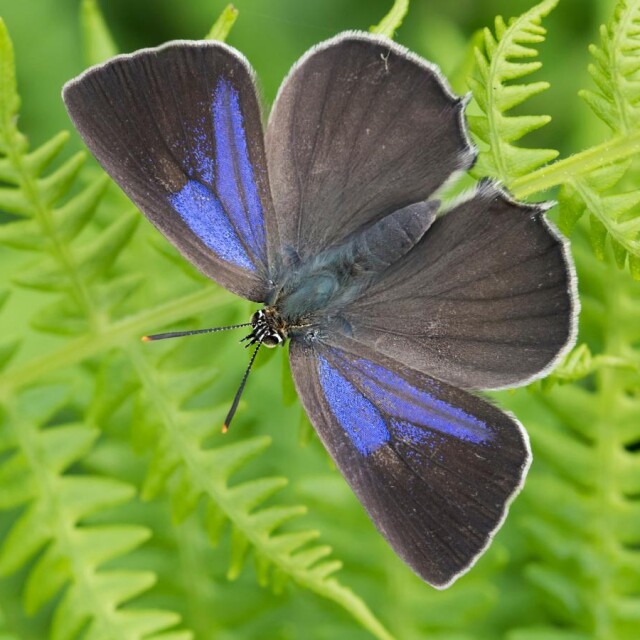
[{"x": 392, "y": 310}]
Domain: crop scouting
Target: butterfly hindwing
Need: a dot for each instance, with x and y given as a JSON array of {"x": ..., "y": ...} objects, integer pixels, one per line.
[
  {"x": 485, "y": 299},
  {"x": 359, "y": 129},
  {"x": 434, "y": 466},
  {"x": 179, "y": 129}
]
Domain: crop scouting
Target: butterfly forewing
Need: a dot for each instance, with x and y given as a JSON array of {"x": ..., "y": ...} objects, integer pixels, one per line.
[
  {"x": 434, "y": 466},
  {"x": 360, "y": 128},
  {"x": 179, "y": 129}
]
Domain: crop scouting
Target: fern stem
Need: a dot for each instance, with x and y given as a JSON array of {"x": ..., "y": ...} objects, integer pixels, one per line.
[
  {"x": 614, "y": 229},
  {"x": 563, "y": 171},
  {"x": 110, "y": 336}
]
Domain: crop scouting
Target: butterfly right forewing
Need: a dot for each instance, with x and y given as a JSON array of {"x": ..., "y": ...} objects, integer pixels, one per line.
[{"x": 359, "y": 129}]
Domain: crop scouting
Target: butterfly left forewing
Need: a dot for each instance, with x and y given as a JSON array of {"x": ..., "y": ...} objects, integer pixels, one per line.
[
  {"x": 434, "y": 466},
  {"x": 179, "y": 129}
]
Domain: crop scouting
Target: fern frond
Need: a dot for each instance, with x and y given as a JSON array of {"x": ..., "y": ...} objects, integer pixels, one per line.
[
  {"x": 53, "y": 528},
  {"x": 48, "y": 221},
  {"x": 614, "y": 209},
  {"x": 59, "y": 249},
  {"x": 506, "y": 58},
  {"x": 194, "y": 472},
  {"x": 585, "y": 540},
  {"x": 615, "y": 67}
]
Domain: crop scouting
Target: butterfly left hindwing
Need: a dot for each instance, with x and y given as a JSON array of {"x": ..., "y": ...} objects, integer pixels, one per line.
[{"x": 434, "y": 466}]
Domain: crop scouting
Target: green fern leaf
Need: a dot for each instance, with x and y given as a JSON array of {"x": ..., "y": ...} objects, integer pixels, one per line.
[
  {"x": 499, "y": 64},
  {"x": 9, "y": 100},
  {"x": 98, "y": 41},
  {"x": 615, "y": 70},
  {"x": 585, "y": 439},
  {"x": 392, "y": 21},
  {"x": 614, "y": 210},
  {"x": 223, "y": 25}
]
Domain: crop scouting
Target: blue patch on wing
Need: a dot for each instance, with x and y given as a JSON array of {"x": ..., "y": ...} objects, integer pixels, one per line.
[
  {"x": 235, "y": 180},
  {"x": 408, "y": 413},
  {"x": 363, "y": 423},
  {"x": 204, "y": 215},
  {"x": 220, "y": 202}
]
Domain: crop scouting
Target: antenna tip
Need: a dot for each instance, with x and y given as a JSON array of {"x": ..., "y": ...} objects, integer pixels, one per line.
[
  {"x": 145, "y": 339},
  {"x": 225, "y": 428}
]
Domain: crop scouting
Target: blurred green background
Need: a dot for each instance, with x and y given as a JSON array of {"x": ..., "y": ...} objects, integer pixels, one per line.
[
  {"x": 274, "y": 33},
  {"x": 558, "y": 570}
]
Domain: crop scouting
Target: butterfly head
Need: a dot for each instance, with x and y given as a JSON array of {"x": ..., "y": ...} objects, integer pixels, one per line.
[{"x": 268, "y": 328}]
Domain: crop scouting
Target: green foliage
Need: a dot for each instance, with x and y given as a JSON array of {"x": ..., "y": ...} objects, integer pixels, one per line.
[
  {"x": 124, "y": 513},
  {"x": 68, "y": 255},
  {"x": 581, "y": 496},
  {"x": 498, "y": 65},
  {"x": 580, "y": 363},
  {"x": 38, "y": 448},
  {"x": 223, "y": 25},
  {"x": 392, "y": 21},
  {"x": 98, "y": 43},
  {"x": 610, "y": 194},
  {"x": 585, "y": 541}
]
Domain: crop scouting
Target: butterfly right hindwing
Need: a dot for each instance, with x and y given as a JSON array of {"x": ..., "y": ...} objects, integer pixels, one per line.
[{"x": 434, "y": 466}]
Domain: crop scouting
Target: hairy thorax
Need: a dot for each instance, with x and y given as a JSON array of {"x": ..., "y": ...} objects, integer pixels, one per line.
[{"x": 310, "y": 295}]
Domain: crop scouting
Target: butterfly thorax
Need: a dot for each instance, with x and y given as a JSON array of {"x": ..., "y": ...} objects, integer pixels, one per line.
[{"x": 311, "y": 294}]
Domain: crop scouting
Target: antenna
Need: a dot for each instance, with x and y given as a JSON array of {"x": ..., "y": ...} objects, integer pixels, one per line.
[
  {"x": 180, "y": 334},
  {"x": 236, "y": 400}
]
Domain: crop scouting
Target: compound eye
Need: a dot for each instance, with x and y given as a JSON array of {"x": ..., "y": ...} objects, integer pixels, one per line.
[
  {"x": 271, "y": 341},
  {"x": 255, "y": 317}
]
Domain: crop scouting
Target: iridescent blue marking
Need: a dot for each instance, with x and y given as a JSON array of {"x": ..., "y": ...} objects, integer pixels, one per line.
[
  {"x": 235, "y": 179},
  {"x": 412, "y": 433},
  {"x": 362, "y": 422},
  {"x": 398, "y": 399},
  {"x": 433, "y": 440},
  {"x": 204, "y": 215},
  {"x": 202, "y": 155}
]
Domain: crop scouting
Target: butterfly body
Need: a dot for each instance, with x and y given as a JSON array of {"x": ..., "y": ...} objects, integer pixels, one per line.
[
  {"x": 313, "y": 293},
  {"x": 328, "y": 220}
]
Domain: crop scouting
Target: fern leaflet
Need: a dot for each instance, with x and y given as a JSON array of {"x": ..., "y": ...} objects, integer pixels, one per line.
[
  {"x": 613, "y": 207},
  {"x": 392, "y": 21},
  {"x": 497, "y": 66}
]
